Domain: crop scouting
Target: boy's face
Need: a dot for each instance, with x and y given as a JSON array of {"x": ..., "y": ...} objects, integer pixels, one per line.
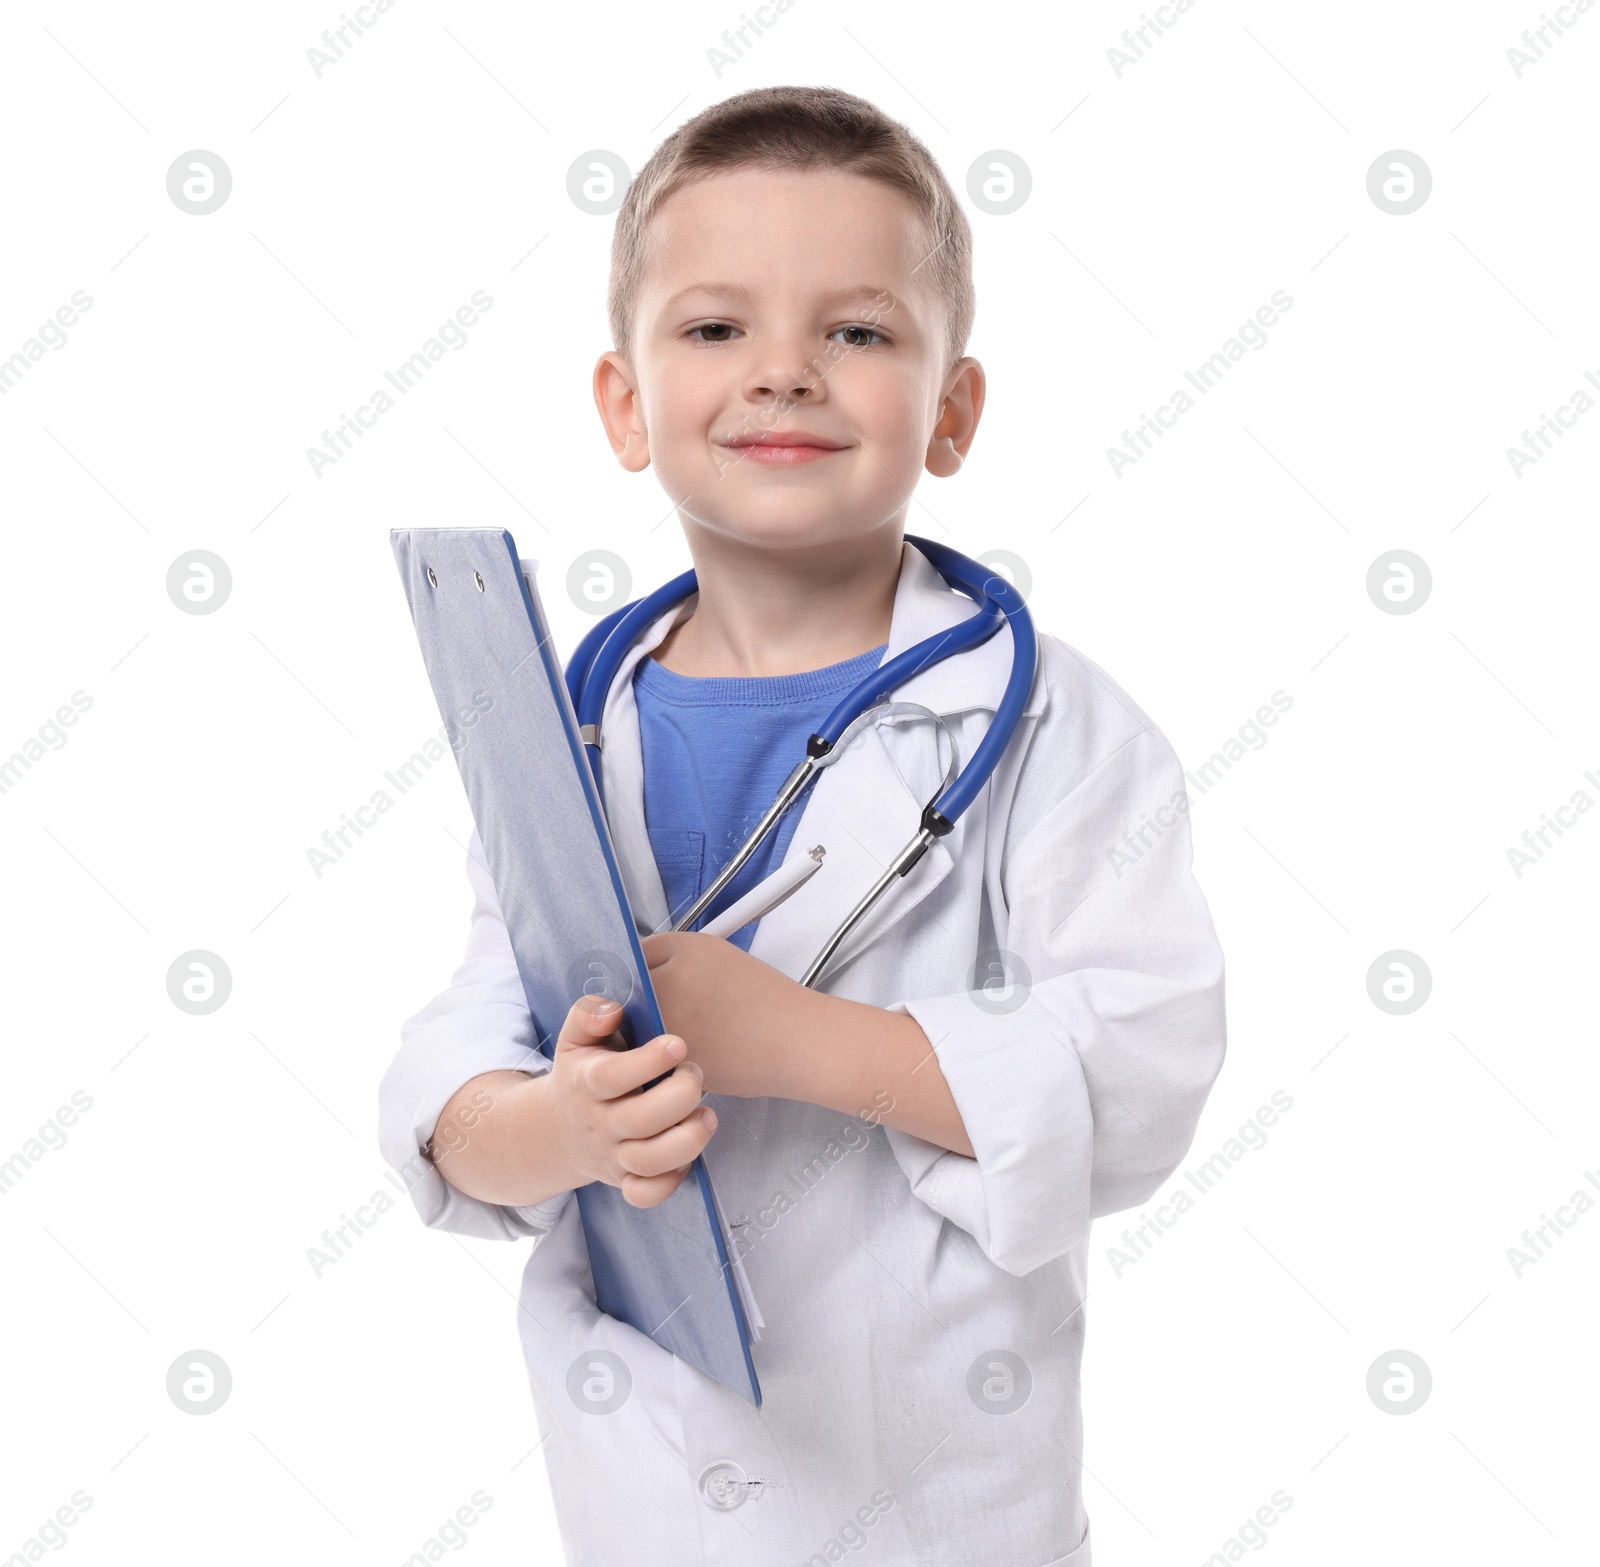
[{"x": 784, "y": 307}]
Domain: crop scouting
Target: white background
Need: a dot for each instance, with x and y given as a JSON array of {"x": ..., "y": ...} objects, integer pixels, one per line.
[{"x": 1167, "y": 205}]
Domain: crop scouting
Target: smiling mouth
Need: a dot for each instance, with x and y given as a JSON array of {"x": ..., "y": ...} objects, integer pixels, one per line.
[{"x": 788, "y": 449}]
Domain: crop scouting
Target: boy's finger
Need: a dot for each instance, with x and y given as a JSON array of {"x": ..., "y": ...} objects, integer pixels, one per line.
[
  {"x": 646, "y": 1191},
  {"x": 644, "y": 1114},
  {"x": 588, "y": 1021},
  {"x": 672, "y": 1148},
  {"x": 611, "y": 1076}
]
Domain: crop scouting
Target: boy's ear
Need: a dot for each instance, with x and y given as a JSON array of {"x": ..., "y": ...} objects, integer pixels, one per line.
[
  {"x": 618, "y": 401},
  {"x": 958, "y": 419}
]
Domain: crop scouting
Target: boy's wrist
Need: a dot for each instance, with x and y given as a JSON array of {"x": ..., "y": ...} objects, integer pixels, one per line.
[
  {"x": 874, "y": 1064},
  {"x": 788, "y": 1064},
  {"x": 805, "y": 1050},
  {"x": 550, "y": 1124},
  {"x": 507, "y": 1138}
]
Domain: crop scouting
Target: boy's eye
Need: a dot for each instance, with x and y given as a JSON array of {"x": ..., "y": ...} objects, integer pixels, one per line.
[
  {"x": 864, "y": 336},
  {"x": 724, "y": 332}
]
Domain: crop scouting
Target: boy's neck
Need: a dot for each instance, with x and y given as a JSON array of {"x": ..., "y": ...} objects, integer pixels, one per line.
[{"x": 765, "y": 611}]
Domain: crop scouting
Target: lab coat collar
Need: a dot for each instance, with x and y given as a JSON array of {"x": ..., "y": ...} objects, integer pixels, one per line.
[
  {"x": 863, "y": 809},
  {"x": 923, "y": 605}
]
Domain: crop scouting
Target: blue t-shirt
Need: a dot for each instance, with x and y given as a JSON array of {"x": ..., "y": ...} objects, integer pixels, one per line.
[{"x": 716, "y": 751}]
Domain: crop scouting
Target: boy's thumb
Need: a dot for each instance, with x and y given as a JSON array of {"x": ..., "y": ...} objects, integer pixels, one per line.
[{"x": 590, "y": 1019}]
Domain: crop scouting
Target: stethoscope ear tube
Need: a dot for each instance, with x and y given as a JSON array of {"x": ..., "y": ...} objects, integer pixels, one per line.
[
  {"x": 607, "y": 646},
  {"x": 583, "y": 656},
  {"x": 977, "y": 580},
  {"x": 969, "y": 633},
  {"x": 941, "y": 814}
]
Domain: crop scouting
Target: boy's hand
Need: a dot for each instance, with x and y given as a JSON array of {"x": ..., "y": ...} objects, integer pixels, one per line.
[
  {"x": 742, "y": 1018},
  {"x": 642, "y": 1144}
]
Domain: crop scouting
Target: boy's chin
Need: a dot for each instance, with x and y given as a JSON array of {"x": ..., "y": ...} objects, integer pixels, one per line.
[{"x": 786, "y": 525}]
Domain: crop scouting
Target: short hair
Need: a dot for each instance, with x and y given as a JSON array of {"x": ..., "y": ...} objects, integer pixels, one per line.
[{"x": 797, "y": 128}]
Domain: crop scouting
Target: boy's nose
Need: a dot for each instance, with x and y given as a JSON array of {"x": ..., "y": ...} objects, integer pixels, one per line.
[
  {"x": 788, "y": 373},
  {"x": 796, "y": 384}
]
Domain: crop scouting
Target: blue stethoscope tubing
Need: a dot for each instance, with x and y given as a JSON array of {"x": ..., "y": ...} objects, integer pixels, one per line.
[{"x": 594, "y": 665}]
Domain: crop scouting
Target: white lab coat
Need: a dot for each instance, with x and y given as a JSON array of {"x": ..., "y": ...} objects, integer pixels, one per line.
[{"x": 920, "y": 1365}]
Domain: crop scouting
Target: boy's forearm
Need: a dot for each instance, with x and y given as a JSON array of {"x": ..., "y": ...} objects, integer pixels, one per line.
[
  {"x": 756, "y": 1032},
  {"x": 499, "y": 1140},
  {"x": 863, "y": 1060}
]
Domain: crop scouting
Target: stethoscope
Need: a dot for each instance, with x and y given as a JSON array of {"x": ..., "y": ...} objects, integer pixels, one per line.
[{"x": 598, "y": 657}]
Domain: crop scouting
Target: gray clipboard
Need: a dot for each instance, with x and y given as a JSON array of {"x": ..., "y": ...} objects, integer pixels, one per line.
[{"x": 494, "y": 672}]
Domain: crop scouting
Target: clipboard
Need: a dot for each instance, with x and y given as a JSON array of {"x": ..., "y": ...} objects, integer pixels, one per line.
[{"x": 667, "y": 1271}]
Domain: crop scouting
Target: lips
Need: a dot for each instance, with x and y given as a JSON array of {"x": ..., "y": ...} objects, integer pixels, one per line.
[{"x": 785, "y": 448}]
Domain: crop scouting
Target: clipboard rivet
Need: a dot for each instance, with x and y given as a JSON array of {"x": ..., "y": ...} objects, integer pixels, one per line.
[
  {"x": 433, "y": 581},
  {"x": 478, "y": 578}
]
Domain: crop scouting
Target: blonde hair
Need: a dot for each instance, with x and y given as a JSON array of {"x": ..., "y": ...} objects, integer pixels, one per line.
[{"x": 796, "y": 128}]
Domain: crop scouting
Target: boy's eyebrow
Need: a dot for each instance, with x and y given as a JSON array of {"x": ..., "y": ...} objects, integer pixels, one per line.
[{"x": 740, "y": 294}]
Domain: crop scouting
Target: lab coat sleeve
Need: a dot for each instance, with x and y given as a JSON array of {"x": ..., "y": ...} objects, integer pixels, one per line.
[
  {"x": 480, "y": 1024},
  {"x": 1080, "y": 1087}
]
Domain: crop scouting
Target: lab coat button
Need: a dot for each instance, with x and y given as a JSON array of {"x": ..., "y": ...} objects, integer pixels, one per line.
[{"x": 724, "y": 1485}]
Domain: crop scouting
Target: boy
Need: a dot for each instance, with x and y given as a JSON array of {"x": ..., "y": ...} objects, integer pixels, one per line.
[{"x": 909, "y": 1155}]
